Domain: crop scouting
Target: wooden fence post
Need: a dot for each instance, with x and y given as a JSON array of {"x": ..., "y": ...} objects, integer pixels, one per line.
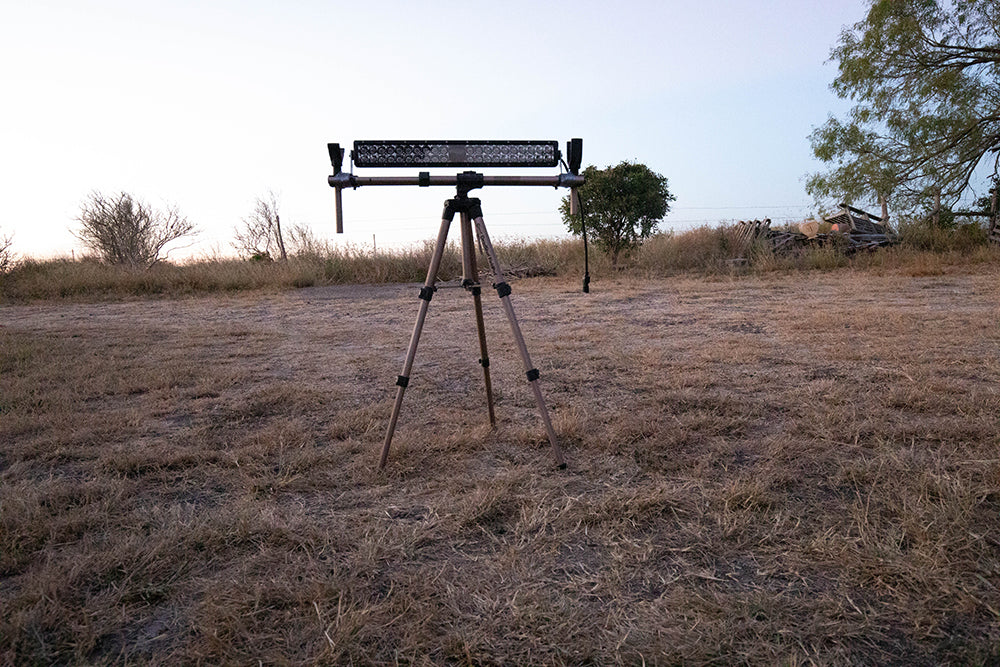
[{"x": 281, "y": 241}]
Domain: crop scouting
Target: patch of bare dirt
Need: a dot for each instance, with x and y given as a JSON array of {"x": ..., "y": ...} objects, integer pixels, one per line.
[{"x": 782, "y": 469}]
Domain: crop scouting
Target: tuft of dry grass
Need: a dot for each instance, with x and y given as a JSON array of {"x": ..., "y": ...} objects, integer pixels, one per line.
[
  {"x": 703, "y": 249},
  {"x": 763, "y": 469}
]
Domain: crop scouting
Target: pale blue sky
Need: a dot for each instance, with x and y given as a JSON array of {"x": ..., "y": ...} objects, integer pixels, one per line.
[{"x": 207, "y": 105}]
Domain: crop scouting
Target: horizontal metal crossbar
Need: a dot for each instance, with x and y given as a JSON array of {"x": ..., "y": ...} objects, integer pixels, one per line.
[
  {"x": 456, "y": 153},
  {"x": 345, "y": 180}
]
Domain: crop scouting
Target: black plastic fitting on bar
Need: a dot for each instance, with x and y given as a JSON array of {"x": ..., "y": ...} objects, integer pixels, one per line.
[
  {"x": 469, "y": 180},
  {"x": 574, "y": 155},
  {"x": 533, "y": 375},
  {"x": 336, "y": 157},
  {"x": 503, "y": 289},
  {"x": 402, "y": 381},
  {"x": 485, "y": 363},
  {"x": 427, "y": 292}
]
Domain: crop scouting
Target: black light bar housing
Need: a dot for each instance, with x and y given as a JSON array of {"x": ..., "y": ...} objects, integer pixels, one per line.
[{"x": 456, "y": 154}]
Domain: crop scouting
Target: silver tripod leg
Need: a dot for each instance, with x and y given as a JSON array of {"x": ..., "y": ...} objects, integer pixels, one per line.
[
  {"x": 470, "y": 279},
  {"x": 503, "y": 291},
  {"x": 425, "y": 299}
]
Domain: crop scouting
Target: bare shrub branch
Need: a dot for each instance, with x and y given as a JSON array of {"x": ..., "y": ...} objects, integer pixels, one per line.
[
  {"x": 304, "y": 243},
  {"x": 6, "y": 253},
  {"x": 260, "y": 236},
  {"x": 127, "y": 231}
]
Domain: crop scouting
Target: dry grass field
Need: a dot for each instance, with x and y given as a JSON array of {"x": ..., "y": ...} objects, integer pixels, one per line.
[{"x": 791, "y": 469}]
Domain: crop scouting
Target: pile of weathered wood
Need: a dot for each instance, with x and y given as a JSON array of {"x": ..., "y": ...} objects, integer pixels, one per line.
[
  {"x": 851, "y": 229},
  {"x": 864, "y": 231},
  {"x": 749, "y": 232}
]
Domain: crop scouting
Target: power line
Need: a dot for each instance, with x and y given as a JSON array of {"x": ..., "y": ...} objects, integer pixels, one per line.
[
  {"x": 495, "y": 214},
  {"x": 726, "y": 208}
]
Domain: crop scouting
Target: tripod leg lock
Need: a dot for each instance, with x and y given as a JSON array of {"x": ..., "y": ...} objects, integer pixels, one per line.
[
  {"x": 533, "y": 375},
  {"x": 503, "y": 289},
  {"x": 402, "y": 381},
  {"x": 427, "y": 292},
  {"x": 485, "y": 362}
]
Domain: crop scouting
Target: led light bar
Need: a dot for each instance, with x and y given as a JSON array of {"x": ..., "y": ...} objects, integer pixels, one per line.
[{"x": 456, "y": 153}]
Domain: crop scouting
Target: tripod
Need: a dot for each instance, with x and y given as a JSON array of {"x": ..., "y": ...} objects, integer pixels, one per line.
[{"x": 470, "y": 213}]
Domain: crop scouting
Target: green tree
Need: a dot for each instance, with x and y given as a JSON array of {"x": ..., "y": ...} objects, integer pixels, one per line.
[
  {"x": 622, "y": 204},
  {"x": 127, "y": 231},
  {"x": 923, "y": 76},
  {"x": 857, "y": 174},
  {"x": 985, "y": 203}
]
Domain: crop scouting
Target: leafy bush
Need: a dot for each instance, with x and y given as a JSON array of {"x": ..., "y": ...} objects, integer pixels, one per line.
[{"x": 956, "y": 236}]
